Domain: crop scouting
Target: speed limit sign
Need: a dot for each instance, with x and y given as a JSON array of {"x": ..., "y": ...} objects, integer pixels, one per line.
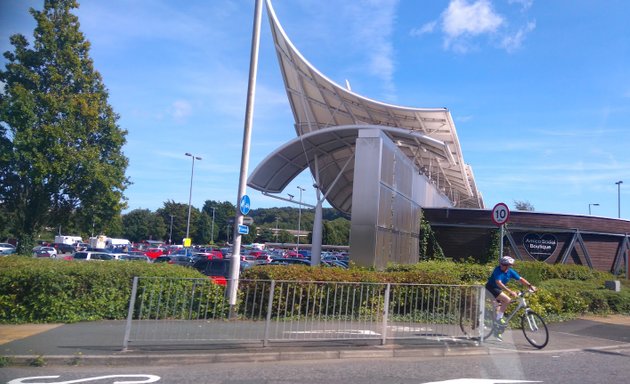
[{"x": 500, "y": 214}]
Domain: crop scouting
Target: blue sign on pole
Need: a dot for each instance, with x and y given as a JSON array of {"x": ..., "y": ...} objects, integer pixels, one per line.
[
  {"x": 245, "y": 204},
  {"x": 243, "y": 229}
]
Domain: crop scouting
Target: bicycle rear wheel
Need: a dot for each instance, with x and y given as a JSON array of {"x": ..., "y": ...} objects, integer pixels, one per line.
[{"x": 535, "y": 329}]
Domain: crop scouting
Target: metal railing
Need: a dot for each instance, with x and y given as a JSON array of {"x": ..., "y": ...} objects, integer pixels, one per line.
[{"x": 167, "y": 310}]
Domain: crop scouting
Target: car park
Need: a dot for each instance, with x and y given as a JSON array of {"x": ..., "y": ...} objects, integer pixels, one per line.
[
  {"x": 91, "y": 255},
  {"x": 6, "y": 249}
]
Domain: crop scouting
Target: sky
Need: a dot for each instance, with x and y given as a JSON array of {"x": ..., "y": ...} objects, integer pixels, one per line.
[{"x": 539, "y": 91}]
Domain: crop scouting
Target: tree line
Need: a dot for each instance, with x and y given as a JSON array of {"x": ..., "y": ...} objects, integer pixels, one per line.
[{"x": 214, "y": 223}]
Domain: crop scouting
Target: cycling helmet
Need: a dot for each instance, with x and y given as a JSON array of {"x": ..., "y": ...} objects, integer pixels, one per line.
[{"x": 506, "y": 260}]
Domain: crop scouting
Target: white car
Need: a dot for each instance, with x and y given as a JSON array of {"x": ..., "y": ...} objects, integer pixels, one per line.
[
  {"x": 89, "y": 255},
  {"x": 6, "y": 249},
  {"x": 45, "y": 252}
]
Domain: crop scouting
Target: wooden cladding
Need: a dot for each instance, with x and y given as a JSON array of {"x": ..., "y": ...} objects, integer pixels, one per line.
[{"x": 583, "y": 240}]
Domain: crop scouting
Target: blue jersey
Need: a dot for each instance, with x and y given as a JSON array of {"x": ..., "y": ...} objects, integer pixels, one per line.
[{"x": 504, "y": 277}]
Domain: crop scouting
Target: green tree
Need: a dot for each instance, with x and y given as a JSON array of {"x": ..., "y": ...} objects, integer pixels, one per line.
[
  {"x": 179, "y": 213},
  {"x": 285, "y": 237},
  {"x": 523, "y": 205},
  {"x": 60, "y": 143},
  {"x": 204, "y": 227},
  {"x": 336, "y": 232},
  {"x": 142, "y": 224},
  {"x": 223, "y": 219}
]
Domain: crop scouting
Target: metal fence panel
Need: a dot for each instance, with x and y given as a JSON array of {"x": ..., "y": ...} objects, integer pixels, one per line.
[{"x": 167, "y": 310}]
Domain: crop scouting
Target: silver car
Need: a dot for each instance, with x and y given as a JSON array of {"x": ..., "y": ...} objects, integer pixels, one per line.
[{"x": 6, "y": 249}]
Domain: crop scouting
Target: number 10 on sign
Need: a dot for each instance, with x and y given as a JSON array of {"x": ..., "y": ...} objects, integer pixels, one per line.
[{"x": 500, "y": 214}]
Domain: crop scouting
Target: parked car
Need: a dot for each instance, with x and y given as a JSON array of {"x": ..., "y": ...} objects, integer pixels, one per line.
[
  {"x": 217, "y": 270},
  {"x": 209, "y": 254},
  {"x": 90, "y": 255},
  {"x": 141, "y": 257},
  {"x": 154, "y": 252},
  {"x": 186, "y": 261},
  {"x": 290, "y": 261},
  {"x": 64, "y": 248},
  {"x": 82, "y": 246},
  {"x": 45, "y": 252},
  {"x": 6, "y": 249}
]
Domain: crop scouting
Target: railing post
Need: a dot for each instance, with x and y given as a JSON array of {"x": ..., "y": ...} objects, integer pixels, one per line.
[
  {"x": 132, "y": 304},
  {"x": 482, "y": 308},
  {"x": 269, "y": 309},
  {"x": 385, "y": 315}
]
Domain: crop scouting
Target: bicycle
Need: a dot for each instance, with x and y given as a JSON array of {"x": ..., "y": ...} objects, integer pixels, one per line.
[{"x": 532, "y": 324}]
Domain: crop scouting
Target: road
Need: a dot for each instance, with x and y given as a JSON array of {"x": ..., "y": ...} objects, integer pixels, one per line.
[{"x": 596, "y": 366}]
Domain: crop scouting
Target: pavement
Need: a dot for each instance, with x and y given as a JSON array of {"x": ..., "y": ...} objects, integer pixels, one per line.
[{"x": 100, "y": 343}]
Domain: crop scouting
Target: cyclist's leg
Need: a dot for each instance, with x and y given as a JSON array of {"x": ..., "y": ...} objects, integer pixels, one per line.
[{"x": 504, "y": 301}]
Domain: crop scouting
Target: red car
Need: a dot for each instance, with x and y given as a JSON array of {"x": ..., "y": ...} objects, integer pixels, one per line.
[
  {"x": 210, "y": 254},
  {"x": 154, "y": 253}
]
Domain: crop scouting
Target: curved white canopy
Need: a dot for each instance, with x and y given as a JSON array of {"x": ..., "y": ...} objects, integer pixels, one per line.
[{"x": 319, "y": 104}]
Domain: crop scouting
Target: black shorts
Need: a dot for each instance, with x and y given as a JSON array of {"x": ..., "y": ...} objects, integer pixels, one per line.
[{"x": 496, "y": 291}]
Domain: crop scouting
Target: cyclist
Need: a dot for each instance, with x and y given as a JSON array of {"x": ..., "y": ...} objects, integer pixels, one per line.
[{"x": 497, "y": 286}]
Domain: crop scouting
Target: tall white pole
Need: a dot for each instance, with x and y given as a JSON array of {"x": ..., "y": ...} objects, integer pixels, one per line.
[
  {"x": 619, "y": 198},
  {"x": 212, "y": 233},
  {"x": 297, "y": 248},
  {"x": 170, "y": 233},
  {"x": 192, "y": 171},
  {"x": 242, "y": 185}
]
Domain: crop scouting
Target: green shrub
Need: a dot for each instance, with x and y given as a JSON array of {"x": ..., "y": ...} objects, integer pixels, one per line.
[{"x": 45, "y": 290}]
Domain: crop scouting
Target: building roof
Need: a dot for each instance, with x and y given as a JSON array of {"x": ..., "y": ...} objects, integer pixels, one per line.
[{"x": 319, "y": 104}]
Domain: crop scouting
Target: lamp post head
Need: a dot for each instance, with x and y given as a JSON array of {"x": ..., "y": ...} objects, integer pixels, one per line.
[
  {"x": 193, "y": 156},
  {"x": 619, "y": 182}
]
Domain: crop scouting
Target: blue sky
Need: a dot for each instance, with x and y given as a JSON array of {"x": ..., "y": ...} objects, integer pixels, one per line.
[{"x": 539, "y": 90}]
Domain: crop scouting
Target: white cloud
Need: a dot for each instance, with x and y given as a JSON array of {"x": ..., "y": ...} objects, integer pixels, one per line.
[
  {"x": 462, "y": 18},
  {"x": 464, "y": 22},
  {"x": 424, "y": 29},
  {"x": 525, "y": 4},
  {"x": 181, "y": 109},
  {"x": 373, "y": 24},
  {"x": 512, "y": 42}
]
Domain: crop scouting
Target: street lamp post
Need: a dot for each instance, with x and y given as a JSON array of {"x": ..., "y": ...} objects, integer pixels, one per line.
[
  {"x": 192, "y": 171},
  {"x": 212, "y": 232},
  {"x": 297, "y": 248},
  {"x": 592, "y": 205},
  {"x": 170, "y": 233},
  {"x": 619, "y": 198}
]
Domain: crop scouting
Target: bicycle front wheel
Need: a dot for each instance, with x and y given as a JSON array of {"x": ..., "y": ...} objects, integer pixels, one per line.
[{"x": 535, "y": 329}]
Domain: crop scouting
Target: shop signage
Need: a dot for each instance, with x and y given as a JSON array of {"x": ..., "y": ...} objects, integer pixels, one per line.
[{"x": 540, "y": 246}]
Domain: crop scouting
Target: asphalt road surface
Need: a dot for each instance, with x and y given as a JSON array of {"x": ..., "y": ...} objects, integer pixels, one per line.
[{"x": 597, "y": 366}]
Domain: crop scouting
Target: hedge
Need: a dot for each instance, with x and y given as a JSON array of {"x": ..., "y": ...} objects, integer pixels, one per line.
[{"x": 43, "y": 290}]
